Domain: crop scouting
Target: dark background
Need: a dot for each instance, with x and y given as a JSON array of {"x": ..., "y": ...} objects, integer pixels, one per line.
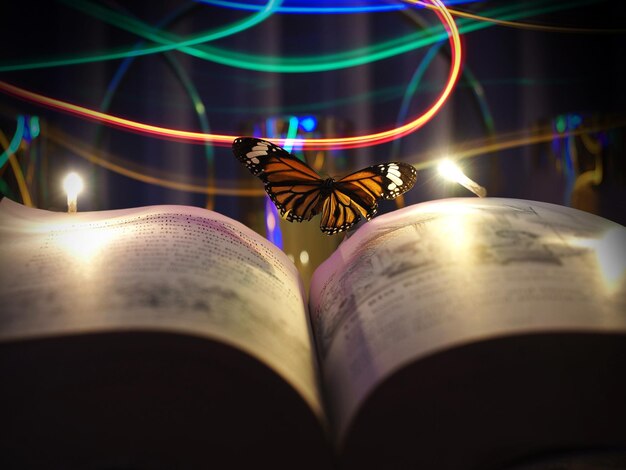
[{"x": 562, "y": 80}]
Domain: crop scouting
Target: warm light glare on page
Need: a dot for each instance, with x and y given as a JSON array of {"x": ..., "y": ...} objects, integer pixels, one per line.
[
  {"x": 610, "y": 255},
  {"x": 84, "y": 245}
]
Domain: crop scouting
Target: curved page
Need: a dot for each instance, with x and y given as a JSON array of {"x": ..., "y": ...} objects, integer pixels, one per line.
[
  {"x": 165, "y": 268},
  {"x": 445, "y": 273}
]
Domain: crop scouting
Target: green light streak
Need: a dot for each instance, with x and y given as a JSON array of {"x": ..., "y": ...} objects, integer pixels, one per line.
[
  {"x": 126, "y": 22},
  {"x": 350, "y": 58},
  {"x": 320, "y": 63},
  {"x": 359, "y": 56},
  {"x": 277, "y": 64}
]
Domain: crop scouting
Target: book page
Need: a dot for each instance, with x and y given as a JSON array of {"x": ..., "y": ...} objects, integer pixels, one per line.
[
  {"x": 446, "y": 273},
  {"x": 174, "y": 268}
]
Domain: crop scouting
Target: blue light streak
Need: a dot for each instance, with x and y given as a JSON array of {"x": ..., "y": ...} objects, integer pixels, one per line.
[{"x": 324, "y": 6}]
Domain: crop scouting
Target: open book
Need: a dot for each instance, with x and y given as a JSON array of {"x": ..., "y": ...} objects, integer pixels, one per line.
[{"x": 460, "y": 333}]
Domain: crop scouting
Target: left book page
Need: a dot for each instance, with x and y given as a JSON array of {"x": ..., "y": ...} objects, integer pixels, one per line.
[{"x": 161, "y": 268}]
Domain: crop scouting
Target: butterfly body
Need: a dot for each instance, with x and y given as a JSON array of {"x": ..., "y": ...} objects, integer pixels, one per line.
[{"x": 300, "y": 193}]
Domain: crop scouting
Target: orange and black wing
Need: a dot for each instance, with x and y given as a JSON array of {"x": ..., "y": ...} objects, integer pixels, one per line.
[
  {"x": 357, "y": 194},
  {"x": 292, "y": 185}
]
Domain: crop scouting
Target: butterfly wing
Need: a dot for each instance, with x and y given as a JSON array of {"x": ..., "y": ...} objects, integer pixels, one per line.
[
  {"x": 357, "y": 194},
  {"x": 292, "y": 185}
]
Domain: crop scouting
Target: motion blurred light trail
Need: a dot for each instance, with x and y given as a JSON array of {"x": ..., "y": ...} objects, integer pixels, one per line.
[
  {"x": 333, "y": 61},
  {"x": 226, "y": 140},
  {"x": 431, "y": 159},
  {"x": 201, "y": 38}
]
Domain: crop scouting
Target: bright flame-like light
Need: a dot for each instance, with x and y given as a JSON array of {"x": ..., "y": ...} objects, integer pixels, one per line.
[
  {"x": 452, "y": 172},
  {"x": 73, "y": 185}
]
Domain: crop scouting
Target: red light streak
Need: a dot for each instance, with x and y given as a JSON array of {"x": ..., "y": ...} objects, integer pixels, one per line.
[{"x": 226, "y": 140}]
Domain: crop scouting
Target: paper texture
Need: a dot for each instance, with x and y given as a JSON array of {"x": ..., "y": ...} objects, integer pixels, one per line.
[
  {"x": 444, "y": 273},
  {"x": 174, "y": 268}
]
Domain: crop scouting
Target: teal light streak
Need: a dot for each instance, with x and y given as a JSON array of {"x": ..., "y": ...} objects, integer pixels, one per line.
[
  {"x": 128, "y": 23},
  {"x": 344, "y": 59},
  {"x": 335, "y": 61},
  {"x": 15, "y": 141}
]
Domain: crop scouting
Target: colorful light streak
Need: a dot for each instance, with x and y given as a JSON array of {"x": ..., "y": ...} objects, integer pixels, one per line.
[
  {"x": 220, "y": 139},
  {"x": 524, "y": 25},
  {"x": 462, "y": 151},
  {"x": 277, "y": 64},
  {"x": 114, "y": 121},
  {"x": 130, "y": 23},
  {"x": 351, "y": 142},
  {"x": 317, "y": 6},
  {"x": 122, "y": 167},
  {"x": 506, "y": 141},
  {"x": 274, "y": 64},
  {"x": 345, "y": 59}
]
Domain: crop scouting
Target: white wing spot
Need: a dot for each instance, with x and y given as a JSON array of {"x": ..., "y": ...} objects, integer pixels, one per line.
[
  {"x": 391, "y": 186},
  {"x": 395, "y": 179},
  {"x": 255, "y": 160}
]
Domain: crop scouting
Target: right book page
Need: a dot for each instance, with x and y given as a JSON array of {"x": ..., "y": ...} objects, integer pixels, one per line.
[{"x": 447, "y": 273}]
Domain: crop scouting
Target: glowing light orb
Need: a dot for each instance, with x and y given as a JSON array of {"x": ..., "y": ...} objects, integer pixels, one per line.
[
  {"x": 452, "y": 172},
  {"x": 73, "y": 185}
]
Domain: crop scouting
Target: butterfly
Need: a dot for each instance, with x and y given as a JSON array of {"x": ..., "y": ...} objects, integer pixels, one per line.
[{"x": 300, "y": 193}]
